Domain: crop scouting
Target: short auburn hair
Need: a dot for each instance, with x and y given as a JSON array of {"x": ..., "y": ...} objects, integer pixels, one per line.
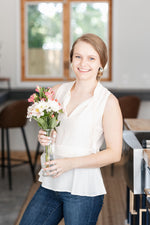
[{"x": 97, "y": 43}]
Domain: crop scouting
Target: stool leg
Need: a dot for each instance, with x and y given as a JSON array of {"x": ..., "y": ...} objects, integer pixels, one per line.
[
  {"x": 28, "y": 153},
  {"x": 3, "y": 156},
  {"x": 144, "y": 207},
  {"x": 147, "y": 217},
  {"x": 128, "y": 203},
  {"x": 8, "y": 160},
  {"x": 36, "y": 154},
  {"x": 137, "y": 207}
]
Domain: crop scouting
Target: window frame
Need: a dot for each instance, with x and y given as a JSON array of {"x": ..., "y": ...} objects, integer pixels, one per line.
[{"x": 66, "y": 40}]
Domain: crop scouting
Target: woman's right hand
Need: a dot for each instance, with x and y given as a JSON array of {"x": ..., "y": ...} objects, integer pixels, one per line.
[{"x": 45, "y": 140}]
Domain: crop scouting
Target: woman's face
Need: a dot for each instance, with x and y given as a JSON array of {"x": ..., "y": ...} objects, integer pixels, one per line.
[{"x": 85, "y": 61}]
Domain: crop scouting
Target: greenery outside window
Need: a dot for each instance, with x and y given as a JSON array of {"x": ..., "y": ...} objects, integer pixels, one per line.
[{"x": 48, "y": 29}]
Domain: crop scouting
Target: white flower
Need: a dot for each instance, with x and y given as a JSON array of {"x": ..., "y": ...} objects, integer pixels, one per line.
[
  {"x": 53, "y": 105},
  {"x": 36, "y": 110}
]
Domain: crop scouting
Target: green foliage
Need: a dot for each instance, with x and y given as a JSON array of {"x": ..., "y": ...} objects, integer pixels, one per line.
[
  {"x": 47, "y": 121},
  {"x": 35, "y": 36},
  {"x": 43, "y": 28},
  {"x": 89, "y": 21}
]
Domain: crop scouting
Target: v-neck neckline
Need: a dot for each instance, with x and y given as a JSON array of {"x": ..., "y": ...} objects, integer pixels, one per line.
[{"x": 67, "y": 100}]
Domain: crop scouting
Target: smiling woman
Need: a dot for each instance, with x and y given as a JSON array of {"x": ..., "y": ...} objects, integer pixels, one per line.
[
  {"x": 91, "y": 114},
  {"x": 52, "y": 27}
]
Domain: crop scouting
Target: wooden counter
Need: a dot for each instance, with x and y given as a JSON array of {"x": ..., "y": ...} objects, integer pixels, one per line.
[
  {"x": 147, "y": 157},
  {"x": 137, "y": 124},
  {"x": 140, "y": 125}
]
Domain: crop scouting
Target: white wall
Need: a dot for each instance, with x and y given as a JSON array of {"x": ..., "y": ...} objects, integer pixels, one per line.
[
  {"x": 8, "y": 35},
  {"x": 144, "y": 111},
  {"x": 131, "y": 46},
  {"x": 130, "y": 61}
]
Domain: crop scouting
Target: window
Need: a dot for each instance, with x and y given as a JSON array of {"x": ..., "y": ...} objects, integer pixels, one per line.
[{"x": 48, "y": 29}]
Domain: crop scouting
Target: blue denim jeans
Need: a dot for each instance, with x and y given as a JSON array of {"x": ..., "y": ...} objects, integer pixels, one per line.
[{"x": 48, "y": 207}]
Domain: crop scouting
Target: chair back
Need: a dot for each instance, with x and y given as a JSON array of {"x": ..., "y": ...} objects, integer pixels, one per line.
[
  {"x": 14, "y": 114},
  {"x": 129, "y": 106}
]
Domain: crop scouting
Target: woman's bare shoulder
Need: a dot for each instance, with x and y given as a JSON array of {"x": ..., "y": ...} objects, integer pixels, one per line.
[
  {"x": 112, "y": 116},
  {"x": 112, "y": 105},
  {"x": 112, "y": 100}
]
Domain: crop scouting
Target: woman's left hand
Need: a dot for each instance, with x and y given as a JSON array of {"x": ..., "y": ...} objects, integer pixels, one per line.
[{"x": 58, "y": 166}]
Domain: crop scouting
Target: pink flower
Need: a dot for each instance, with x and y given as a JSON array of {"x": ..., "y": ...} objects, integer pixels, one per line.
[
  {"x": 53, "y": 93},
  {"x": 53, "y": 116},
  {"x": 49, "y": 95},
  {"x": 37, "y": 88},
  {"x": 32, "y": 98},
  {"x": 29, "y": 100},
  {"x": 43, "y": 99},
  {"x": 50, "y": 90}
]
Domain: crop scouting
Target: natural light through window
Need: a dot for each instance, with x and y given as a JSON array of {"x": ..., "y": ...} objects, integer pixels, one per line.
[{"x": 48, "y": 29}]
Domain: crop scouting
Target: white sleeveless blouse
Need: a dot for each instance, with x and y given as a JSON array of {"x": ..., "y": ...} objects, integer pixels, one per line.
[{"x": 79, "y": 134}]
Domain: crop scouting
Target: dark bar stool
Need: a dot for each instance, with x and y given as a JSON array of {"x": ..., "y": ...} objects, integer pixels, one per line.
[
  {"x": 129, "y": 106},
  {"x": 14, "y": 116}
]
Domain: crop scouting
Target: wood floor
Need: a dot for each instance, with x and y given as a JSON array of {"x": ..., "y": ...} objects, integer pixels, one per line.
[{"x": 114, "y": 208}]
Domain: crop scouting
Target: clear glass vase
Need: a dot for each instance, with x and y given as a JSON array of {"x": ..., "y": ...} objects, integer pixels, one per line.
[{"x": 48, "y": 153}]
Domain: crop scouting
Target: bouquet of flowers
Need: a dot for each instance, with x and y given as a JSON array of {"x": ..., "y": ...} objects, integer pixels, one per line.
[{"x": 45, "y": 110}]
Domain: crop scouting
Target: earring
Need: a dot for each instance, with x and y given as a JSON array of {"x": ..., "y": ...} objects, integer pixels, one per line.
[{"x": 100, "y": 72}]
